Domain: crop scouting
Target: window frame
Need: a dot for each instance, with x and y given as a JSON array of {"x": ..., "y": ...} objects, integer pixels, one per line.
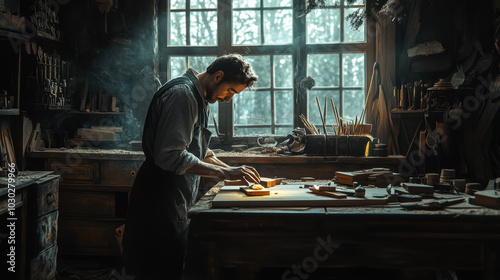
[{"x": 299, "y": 50}]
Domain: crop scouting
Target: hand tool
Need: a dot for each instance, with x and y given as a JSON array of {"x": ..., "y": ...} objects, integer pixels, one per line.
[{"x": 433, "y": 204}]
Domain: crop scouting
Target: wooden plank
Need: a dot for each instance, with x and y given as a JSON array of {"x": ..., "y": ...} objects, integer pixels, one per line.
[
  {"x": 418, "y": 188},
  {"x": 252, "y": 192},
  {"x": 11, "y": 146},
  {"x": 264, "y": 181},
  {"x": 487, "y": 198}
]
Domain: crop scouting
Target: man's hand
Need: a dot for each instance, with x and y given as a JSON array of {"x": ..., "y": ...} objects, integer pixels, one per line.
[{"x": 245, "y": 173}]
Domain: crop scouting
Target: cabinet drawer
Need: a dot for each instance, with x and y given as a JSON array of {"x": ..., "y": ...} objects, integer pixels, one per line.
[
  {"x": 43, "y": 266},
  {"x": 75, "y": 171},
  {"x": 88, "y": 237},
  {"x": 4, "y": 201},
  {"x": 44, "y": 198},
  {"x": 115, "y": 172},
  {"x": 43, "y": 233},
  {"x": 87, "y": 204}
]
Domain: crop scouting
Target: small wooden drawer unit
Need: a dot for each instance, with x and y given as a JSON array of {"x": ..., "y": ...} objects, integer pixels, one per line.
[{"x": 43, "y": 227}]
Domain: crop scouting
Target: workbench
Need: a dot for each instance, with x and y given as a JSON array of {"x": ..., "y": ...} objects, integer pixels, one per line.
[{"x": 289, "y": 242}]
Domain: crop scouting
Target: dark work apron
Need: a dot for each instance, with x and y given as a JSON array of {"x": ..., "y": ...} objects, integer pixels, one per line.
[{"x": 155, "y": 237}]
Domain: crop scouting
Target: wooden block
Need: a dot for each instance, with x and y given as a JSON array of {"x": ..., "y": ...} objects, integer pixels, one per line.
[
  {"x": 264, "y": 181},
  {"x": 115, "y": 129},
  {"x": 269, "y": 182},
  {"x": 487, "y": 198},
  {"x": 321, "y": 188},
  {"x": 91, "y": 134},
  {"x": 328, "y": 193},
  {"x": 418, "y": 188},
  {"x": 307, "y": 179},
  {"x": 252, "y": 192}
]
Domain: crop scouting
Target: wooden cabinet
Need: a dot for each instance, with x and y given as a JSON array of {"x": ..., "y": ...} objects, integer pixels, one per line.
[
  {"x": 43, "y": 214},
  {"x": 93, "y": 201}
]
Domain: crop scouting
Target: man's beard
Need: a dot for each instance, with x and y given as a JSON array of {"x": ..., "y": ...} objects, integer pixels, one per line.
[{"x": 211, "y": 93}]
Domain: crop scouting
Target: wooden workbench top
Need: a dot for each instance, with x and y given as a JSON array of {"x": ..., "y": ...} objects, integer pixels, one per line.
[{"x": 462, "y": 210}]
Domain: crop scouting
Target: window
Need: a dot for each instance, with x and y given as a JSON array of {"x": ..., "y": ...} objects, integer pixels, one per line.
[{"x": 283, "y": 48}]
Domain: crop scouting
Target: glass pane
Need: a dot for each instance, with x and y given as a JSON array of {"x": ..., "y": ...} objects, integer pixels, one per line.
[
  {"x": 177, "y": 29},
  {"x": 354, "y": 70},
  {"x": 252, "y": 107},
  {"x": 214, "y": 113},
  {"x": 277, "y": 3},
  {"x": 354, "y": 102},
  {"x": 355, "y": 2},
  {"x": 284, "y": 130},
  {"x": 284, "y": 106},
  {"x": 203, "y": 4},
  {"x": 262, "y": 66},
  {"x": 200, "y": 63},
  {"x": 177, "y": 4},
  {"x": 278, "y": 25},
  {"x": 283, "y": 71},
  {"x": 314, "y": 116},
  {"x": 177, "y": 66},
  {"x": 246, "y": 3},
  {"x": 323, "y": 26},
  {"x": 324, "y": 68},
  {"x": 252, "y": 130},
  {"x": 351, "y": 35},
  {"x": 203, "y": 28},
  {"x": 246, "y": 28}
]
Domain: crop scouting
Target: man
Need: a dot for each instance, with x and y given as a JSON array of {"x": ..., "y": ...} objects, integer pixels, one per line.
[{"x": 175, "y": 141}]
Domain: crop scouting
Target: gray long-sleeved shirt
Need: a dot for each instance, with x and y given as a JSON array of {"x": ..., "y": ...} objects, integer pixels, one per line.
[{"x": 174, "y": 117}]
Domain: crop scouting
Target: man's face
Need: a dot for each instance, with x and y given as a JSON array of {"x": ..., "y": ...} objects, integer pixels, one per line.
[{"x": 221, "y": 91}]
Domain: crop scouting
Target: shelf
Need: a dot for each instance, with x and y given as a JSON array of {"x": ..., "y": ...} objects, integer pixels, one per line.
[
  {"x": 46, "y": 36},
  {"x": 12, "y": 23},
  {"x": 10, "y": 112},
  {"x": 97, "y": 113}
]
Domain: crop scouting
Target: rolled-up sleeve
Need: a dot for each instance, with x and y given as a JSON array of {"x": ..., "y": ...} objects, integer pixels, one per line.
[{"x": 178, "y": 115}]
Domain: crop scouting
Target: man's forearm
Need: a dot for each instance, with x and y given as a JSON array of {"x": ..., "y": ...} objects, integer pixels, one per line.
[
  {"x": 215, "y": 161},
  {"x": 207, "y": 170}
]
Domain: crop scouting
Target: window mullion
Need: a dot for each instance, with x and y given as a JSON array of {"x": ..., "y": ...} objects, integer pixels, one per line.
[
  {"x": 342, "y": 15},
  {"x": 341, "y": 84},
  {"x": 299, "y": 60},
  {"x": 262, "y": 40},
  {"x": 224, "y": 35},
  {"x": 188, "y": 22},
  {"x": 273, "y": 105}
]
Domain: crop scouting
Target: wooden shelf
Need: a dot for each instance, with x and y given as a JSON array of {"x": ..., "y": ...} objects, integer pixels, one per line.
[
  {"x": 96, "y": 113},
  {"x": 10, "y": 112}
]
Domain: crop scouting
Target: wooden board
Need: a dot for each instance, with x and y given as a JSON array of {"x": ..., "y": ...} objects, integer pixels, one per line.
[
  {"x": 418, "y": 188},
  {"x": 487, "y": 198},
  {"x": 264, "y": 181},
  {"x": 379, "y": 177},
  {"x": 289, "y": 196},
  {"x": 252, "y": 192}
]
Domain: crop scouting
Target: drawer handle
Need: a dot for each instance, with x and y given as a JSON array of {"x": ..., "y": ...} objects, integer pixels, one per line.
[
  {"x": 132, "y": 173},
  {"x": 51, "y": 198}
]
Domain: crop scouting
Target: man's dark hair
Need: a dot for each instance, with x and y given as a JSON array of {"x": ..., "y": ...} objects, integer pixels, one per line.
[{"x": 235, "y": 68}]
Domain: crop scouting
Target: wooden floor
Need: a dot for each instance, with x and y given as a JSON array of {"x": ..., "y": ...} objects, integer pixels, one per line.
[{"x": 86, "y": 268}]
